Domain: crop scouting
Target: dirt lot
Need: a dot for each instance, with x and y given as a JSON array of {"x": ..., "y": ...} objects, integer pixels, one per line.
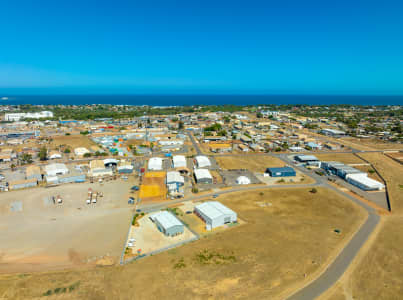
[
  {"x": 254, "y": 163},
  {"x": 73, "y": 141},
  {"x": 346, "y": 158},
  {"x": 374, "y": 144},
  {"x": 392, "y": 172},
  {"x": 39, "y": 235},
  {"x": 259, "y": 260}
]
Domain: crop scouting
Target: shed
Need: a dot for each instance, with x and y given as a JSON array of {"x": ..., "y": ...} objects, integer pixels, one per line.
[
  {"x": 215, "y": 214},
  {"x": 22, "y": 184},
  {"x": 167, "y": 223},
  {"x": 155, "y": 164},
  {"x": 202, "y": 161},
  {"x": 175, "y": 177},
  {"x": 243, "y": 180},
  {"x": 203, "y": 176},
  {"x": 364, "y": 182},
  {"x": 56, "y": 169},
  {"x": 281, "y": 172},
  {"x": 179, "y": 161}
]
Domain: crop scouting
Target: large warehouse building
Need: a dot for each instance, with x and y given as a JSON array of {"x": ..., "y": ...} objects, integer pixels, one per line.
[
  {"x": 202, "y": 161},
  {"x": 179, "y": 161},
  {"x": 281, "y": 172},
  {"x": 214, "y": 214},
  {"x": 203, "y": 176},
  {"x": 155, "y": 164},
  {"x": 364, "y": 182},
  {"x": 167, "y": 223}
]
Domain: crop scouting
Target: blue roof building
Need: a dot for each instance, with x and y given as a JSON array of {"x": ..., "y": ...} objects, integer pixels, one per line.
[{"x": 281, "y": 172}]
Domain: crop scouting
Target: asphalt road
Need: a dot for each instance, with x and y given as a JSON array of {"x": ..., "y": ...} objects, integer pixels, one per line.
[{"x": 337, "y": 268}]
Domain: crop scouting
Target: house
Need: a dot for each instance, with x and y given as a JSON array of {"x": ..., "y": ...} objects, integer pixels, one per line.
[
  {"x": 167, "y": 223},
  {"x": 214, "y": 214}
]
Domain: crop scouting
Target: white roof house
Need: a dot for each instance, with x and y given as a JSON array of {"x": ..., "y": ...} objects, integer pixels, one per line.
[
  {"x": 56, "y": 169},
  {"x": 155, "y": 163},
  {"x": 167, "y": 223},
  {"x": 179, "y": 161},
  {"x": 362, "y": 181},
  {"x": 215, "y": 214},
  {"x": 175, "y": 177},
  {"x": 243, "y": 180},
  {"x": 80, "y": 151},
  {"x": 203, "y": 176},
  {"x": 202, "y": 161}
]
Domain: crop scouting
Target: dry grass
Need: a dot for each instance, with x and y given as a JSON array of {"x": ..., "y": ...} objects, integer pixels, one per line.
[
  {"x": 346, "y": 158},
  {"x": 374, "y": 144},
  {"x": 380, "y": 273},
  {"x": 392, "y": 172},
  {"x": 253, "y": 163},
  {"x": 73, "y": 141},
  {"x": 268, "y": 255}
]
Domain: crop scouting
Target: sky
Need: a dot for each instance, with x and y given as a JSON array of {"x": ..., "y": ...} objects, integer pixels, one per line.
[{"x": 229, "y": 47}]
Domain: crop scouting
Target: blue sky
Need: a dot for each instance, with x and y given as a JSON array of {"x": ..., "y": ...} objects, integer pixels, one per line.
[{"x": 309, "y": 47}]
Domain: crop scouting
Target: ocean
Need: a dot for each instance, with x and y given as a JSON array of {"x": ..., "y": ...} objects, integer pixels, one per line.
[{"x": 183, "y": 100}]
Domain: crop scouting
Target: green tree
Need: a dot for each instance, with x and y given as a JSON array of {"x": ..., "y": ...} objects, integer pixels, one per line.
[
  {"x": 43, "y": 154},
  {"x": 26, "y": 158}
]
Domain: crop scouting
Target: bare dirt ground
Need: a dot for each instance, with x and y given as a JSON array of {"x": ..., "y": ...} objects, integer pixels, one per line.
[
  {"x": 254, "y": 163},
  {"x": 392, "y": 172},
  {"x": 345, "y": 158},
  {"x": 280, "y": 246},
  {"x": 40, "y": 235},
  {"x": 73, "y": 141},
  {"x": 373, "y": 144}
]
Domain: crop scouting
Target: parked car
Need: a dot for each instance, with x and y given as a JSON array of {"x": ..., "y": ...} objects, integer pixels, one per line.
[
  {"x": 135, "y": 188},
  {"x": 215, "y": 195}
]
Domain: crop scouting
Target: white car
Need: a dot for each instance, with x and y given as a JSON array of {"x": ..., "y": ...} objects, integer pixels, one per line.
[
  {"x": 130, "y": 244},
  {"x": 88, "y": 201},
  {"x": 132, "y": 240}
]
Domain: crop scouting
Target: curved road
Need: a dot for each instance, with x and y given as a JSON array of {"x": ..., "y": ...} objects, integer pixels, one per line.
[{"x": 337, "y": 268}]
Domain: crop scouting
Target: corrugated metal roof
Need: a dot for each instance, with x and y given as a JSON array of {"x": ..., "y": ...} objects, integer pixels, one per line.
[
  {"x": 214, "y": 209},
  {"x": 166, "y": 219}
]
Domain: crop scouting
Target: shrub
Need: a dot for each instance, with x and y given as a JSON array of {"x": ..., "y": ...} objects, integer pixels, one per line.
[{"x": 314, "y": 191}]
